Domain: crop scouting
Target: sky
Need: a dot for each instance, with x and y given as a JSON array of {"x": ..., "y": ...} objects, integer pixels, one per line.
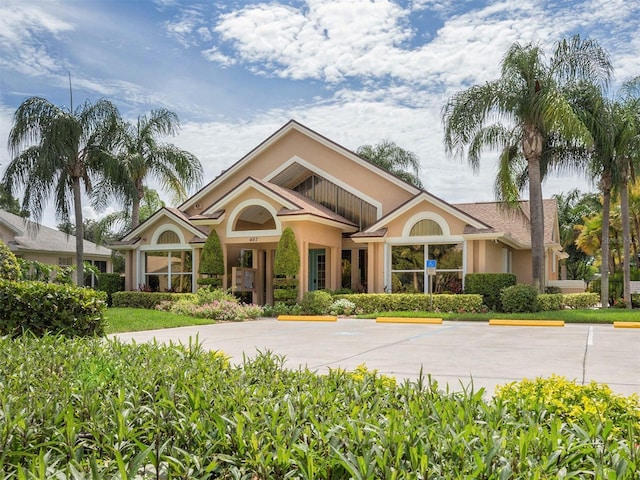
[{"x": 355, "y": 71}]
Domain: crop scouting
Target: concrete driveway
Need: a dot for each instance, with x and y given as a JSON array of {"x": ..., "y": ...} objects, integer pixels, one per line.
[{"x": 453, "y": 353}]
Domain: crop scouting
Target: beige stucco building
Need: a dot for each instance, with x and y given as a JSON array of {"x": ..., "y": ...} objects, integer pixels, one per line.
[
  {"x": 356, "y": 225},
  {"x": 50, "y": 246}
]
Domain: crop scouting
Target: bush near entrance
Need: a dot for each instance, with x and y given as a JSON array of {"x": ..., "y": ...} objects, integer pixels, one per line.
[
  {"x": 286, "y": 267},
  {"x": 211, "y": 261}
]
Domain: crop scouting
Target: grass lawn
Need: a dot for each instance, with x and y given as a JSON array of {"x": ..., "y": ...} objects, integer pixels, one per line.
[
  {"x": 119, "y": 320},
  {"x": 569, "y": 316}
]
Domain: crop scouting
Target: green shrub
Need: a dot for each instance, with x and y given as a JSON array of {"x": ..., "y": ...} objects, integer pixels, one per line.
[
  {"x": 368, "y": 303},
  {"x": 207, "y": 295},
  {"x": 568, "y": 401},
  {"x": 285, "y": 290},
  {"x": 580, "y": 301},
  {"x": 9, "y": 267},
  {"x": 342, "y": 306},
  {"x": 110, "y": 283},
  {"x": 490, "y": 286},
  {"x": 214, "y": 282},
  {"x": 212, "y": 258},
  {"x": 287, "y": 259},
  {"x": 548, "y": 302},
  {"x": 317, "y": 302},
  {"x": 104, "y": 409},
  {"x": 519, "y": 298},
  {"x": 144, "y": 299},
  {"x": 281, "y": 308},
  {"x": 43, "y": 308}
]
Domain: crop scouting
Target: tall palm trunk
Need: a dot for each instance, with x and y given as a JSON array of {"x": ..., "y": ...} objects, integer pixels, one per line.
[
  {"x": 626, "y": 241},
  {"x": 77, "y": 206},
  {"x": 604, "y": 243},
  {"x": 135, "y": 204},
  {"x": 532, "y": 148}
]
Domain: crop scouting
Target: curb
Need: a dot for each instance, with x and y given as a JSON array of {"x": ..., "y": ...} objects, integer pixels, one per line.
[
  {"x": 626, "y": 324},
  {"x": 307, "y": 318},
  {"x": 526, "y": 323},
  {"x": 429, "y": 321}
]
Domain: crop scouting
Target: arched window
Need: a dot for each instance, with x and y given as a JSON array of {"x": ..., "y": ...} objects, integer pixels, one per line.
[
  {"x": 167, "y": 262},
  {"x": 254, "y": 218},
  {"x": 425, "y": 227},
  {"x": 168, "y": 236}
]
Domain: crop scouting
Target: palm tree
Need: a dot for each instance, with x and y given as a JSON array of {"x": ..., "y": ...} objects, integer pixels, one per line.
[
  {"x": 58, "y": 152},
  {"x": 614, "y": 125},
  {"x": 389, "y": 156},
  {"x": 529, "y": 99},
  {"x": 142, "y": 156}
]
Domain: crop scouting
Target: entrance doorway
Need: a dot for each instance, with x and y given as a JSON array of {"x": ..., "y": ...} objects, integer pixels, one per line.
[{"x": 317, "y": 269}]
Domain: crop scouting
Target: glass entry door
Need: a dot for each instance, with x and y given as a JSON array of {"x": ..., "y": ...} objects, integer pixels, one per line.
[{"x": 317, "y": 269}]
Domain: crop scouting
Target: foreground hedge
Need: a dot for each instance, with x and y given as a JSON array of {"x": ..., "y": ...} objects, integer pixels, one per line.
[
  {"x": 394, "y": 302},
  {"x": 114, "y": 410},
  {"x": 41, "y": 308}
]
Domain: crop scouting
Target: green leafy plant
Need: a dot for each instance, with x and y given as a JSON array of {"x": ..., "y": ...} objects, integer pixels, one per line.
[
  {"x": 317, "y": 302},
  {"x": 286, "y": 265},
  {"x": 410, "y": 302},
  {"x": 106, "y": 409},
  {"x": 489, "y": 285},
  {"x": 110, "y": 283},
  {"x": 550, "y": 301},
  {"x": 47, "y": 308},
  {"x": 519, "y": 298},
  {"x": 211, "y": 261},
  {"x": 9, "y": 267}
]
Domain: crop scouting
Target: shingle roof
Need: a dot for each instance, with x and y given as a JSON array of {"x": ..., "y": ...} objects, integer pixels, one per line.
[
  {"x": 304, "y": 204},
  {"x": 515, "y": 222},
  {"x": 45, "y": 239}
]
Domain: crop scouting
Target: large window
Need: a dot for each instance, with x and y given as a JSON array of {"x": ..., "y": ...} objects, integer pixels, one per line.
[
  {"x": 168, "y": 271},
  {"x": 90, "y": 279},
  {"x": 408, "y": 267}
]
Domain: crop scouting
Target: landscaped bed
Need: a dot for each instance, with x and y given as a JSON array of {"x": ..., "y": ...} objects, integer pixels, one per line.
[{"x": 90, "y": 408}]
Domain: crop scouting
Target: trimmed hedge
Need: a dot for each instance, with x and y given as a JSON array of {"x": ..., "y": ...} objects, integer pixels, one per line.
[
  {"x": 392, "y": 302},
  {"x": 548, "y": 302},
  {"x": 489, "y": 285},
  {"x": 580, "y": 301},
  {"x": 147, "y": 300},
  {"x": 521, "y": 298},
  {"x": 49, "y": 308},
  {"x": 110, "y": 283}
]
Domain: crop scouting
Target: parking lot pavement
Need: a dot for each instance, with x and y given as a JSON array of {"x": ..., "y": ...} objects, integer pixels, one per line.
[{"x": 453, "y": 353}]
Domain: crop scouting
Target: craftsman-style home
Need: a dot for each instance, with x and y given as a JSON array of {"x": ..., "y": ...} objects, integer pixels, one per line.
[{"x": 357, "y": 226}]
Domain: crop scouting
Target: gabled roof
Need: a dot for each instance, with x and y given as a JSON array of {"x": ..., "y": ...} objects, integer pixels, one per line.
[
  {"x": 515, "y": 222},
  {"x": 293, "y": 203},
  {"x": 284, "y": 130},
  {"x": 29, "y": 237},
  {"x": 179, "y": 217},
  {"x": 424, "y": 197}
]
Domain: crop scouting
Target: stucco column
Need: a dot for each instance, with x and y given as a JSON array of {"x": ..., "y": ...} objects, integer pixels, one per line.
[
  {"x": 336, "y": 268},
  {"x": 371, "y": 267}
]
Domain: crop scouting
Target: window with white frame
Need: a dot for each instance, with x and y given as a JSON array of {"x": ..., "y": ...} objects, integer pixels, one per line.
[
  {"x": 168, "y": 263},
  {"x": 429, "y": 239}
]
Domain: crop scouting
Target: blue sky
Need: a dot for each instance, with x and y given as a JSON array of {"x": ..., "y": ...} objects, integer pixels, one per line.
[{"x": 356, "y": 71}]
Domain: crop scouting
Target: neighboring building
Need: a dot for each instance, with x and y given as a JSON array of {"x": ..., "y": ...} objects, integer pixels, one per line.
[
  {"x": 50, "y": 246},
  {"x": 357, "y": 226}
]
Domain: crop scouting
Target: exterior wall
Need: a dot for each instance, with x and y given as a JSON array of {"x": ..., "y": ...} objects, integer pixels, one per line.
[
  {"x": 522, "y": 266},
  {"x": 295, "y": 144},
  {"x": 6, "y": 235},
  {"x": 316, "y": 236}
]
